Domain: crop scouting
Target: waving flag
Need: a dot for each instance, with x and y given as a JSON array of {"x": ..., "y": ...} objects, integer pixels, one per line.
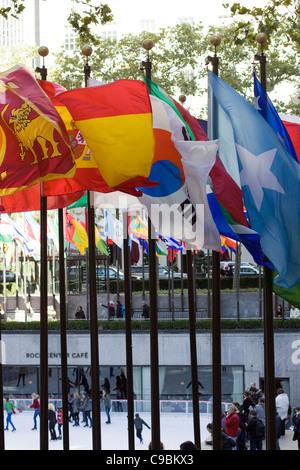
[
  {"x": 269, "y": 178},
  {"x": 292, "y": 125},
  {"x": 265, "y": 107},
  {"x": 113, "y": 228},
  {"x": 75, "y": 232},
  {"x": 100, "y": 244},
  {"x": 116, "y": 122},
  {"x": 137, "y": 226},
  {"x": 18, "y": 233},
  {"x": 6, "y": 230},
  {"x": 170, "y": 205},
  {"x": 34, "y": 145},
  {"x": 32, "y": 232}
]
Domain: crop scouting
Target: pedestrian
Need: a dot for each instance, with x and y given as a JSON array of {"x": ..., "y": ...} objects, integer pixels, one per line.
[
  {"x": 256, "y": 431},
  {"x": 227, "y": 442},
  {"x": 294, "y": 312},
  {"x": 279, "y": 312},
  {"x": 87, "y": 409},
  {"x": 161, "y": 446},
  {"x": 296, "y": 423},
  {"x": 9, "y": 407},
  {"x": 79, "y": 314},
  {"x": 52, "y": 421},
  {"x": 107, "y": 404},
  {"x": 36, "y": 406},
  {"x": 282, "y": 407},
  {"x": 111, "y": 309},
  {"x": 232, "y": 423},
  {"x": 139, "y": 422},
  {"x": 106, "y": 385},
  {"x": 59, "y": 421},
  {"x": 75, "y": 400},
  {"x": 146, "y": 310},
  {"x": 278, "y": 430},
  {"x": 246, "y": 405},
  {"x": 188, "y": 445},
  {"x": 260, "y": 410},
  {"x": 120, "y": 310}
]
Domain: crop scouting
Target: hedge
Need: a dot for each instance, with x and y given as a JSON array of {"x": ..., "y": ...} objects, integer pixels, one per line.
[
  {"x": 182, "y": 324},
  {"x": 201, "y": 283}
]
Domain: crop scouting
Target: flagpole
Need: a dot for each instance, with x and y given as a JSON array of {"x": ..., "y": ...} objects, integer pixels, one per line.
[
  {"x": 154, "y": 363},
  {"x": 63, "y": 329},
  {"x": 216, "y": 310},
  {"x": 129, "y": 364},
  {"x": 44, "y": 432},
  {"x": 192, "y": 331},
  {"x": 270, "y": 407},
  {"x": 87, "y": 51}
]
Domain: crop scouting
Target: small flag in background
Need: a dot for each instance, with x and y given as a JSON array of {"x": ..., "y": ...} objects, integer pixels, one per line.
[
  {"x": 269, "y": 178},
  {"x": 75, "y": 232},
  {"x": 100, "y": 244}
]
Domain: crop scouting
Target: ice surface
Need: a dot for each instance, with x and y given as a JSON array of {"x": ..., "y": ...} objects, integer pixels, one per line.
[{"x": 175, "y": 428}]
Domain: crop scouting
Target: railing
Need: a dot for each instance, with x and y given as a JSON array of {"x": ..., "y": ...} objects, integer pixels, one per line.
[{"x": 183, "y": 407}]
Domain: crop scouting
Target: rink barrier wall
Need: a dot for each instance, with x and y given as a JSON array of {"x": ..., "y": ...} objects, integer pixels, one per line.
[{"x": 140, "y": 406}]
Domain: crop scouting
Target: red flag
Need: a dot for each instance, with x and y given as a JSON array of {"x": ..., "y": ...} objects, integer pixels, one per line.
[
  {"x": 29, "y": 199},
  {"x": 34, "y": 144},
  {"x": 88, "y": 175}
]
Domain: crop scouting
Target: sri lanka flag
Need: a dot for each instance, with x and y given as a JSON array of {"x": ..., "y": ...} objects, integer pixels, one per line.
[{"x": 34, "y": 144}]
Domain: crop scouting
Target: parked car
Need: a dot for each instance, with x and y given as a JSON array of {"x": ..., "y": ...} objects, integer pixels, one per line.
[
  {"x": 10, "y": 276},
  {"x": 163, "y": 272}
]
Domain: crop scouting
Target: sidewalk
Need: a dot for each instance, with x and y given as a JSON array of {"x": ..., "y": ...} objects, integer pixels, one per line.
[{"x": 285, "y": 442}]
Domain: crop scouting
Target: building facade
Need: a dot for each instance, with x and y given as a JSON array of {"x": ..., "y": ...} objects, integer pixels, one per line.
[{"x": 242, "y": 363}]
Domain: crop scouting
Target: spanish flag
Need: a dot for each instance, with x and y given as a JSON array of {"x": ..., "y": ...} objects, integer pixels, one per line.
[
  {"x": 34, "y": 143},
  {"x": 115, "y": 121}
]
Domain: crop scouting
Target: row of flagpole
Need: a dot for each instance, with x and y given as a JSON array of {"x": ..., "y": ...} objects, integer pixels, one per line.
[{"x": 154, "y": 356}]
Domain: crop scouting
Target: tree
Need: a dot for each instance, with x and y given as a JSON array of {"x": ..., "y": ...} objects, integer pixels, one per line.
[{"x": 88, "y": 14}]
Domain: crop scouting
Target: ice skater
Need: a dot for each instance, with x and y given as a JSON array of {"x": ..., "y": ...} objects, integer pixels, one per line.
[
  {"x": 52, "y": 421},
  {"x": 36, "y": 406},
  {"x": 107, "y": 403},
  {"x": 138, "y": 422},
  {"x": 9, "y": 407}
]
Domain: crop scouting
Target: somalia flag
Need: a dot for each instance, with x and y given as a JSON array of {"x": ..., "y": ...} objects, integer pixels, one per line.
[{"x": 268, "y": 176}]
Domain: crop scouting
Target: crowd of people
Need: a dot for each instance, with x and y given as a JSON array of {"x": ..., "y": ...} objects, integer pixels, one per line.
[{"x": 244, "y": 423}]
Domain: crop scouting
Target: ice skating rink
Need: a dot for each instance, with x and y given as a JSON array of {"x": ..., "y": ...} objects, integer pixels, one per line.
[{"x": 175, "y": 429}]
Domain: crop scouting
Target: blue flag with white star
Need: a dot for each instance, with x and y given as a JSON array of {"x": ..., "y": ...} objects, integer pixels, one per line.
[
  {"x": 270, "y": 179},
  {"x": 265, "y": 107}
]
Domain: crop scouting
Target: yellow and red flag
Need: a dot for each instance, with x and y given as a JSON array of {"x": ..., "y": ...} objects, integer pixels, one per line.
[
  {"x": 34, "y": 143},
  {"x": 115, "y": 121}
]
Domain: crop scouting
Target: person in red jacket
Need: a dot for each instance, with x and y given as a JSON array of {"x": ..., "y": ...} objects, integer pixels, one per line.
[
  {"x": 232, "y": 423},
  {"x": 36, "y": 406}
]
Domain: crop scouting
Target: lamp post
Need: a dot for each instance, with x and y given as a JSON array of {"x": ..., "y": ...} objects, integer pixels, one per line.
[
  {"x": 155, "y": 415},
  {"x": 269, "y": 364},
  {"x": 216, "y": 293}
]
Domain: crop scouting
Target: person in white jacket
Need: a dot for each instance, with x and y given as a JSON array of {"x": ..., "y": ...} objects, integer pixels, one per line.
[
  {"x": 282, "y": 407},
  {"x": 294, "y": 312}
]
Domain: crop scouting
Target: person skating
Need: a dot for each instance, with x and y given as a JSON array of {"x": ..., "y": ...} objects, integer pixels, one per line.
[
  {"x": 9, "y": 407},
  {"x": 138, "y": 422},
  {"x": 107, "y": 403},
  {"x": 36, "y": 406}
]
